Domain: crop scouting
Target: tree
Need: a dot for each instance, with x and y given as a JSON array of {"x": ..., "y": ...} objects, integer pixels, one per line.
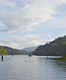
[{"x": 3, "y": 52}]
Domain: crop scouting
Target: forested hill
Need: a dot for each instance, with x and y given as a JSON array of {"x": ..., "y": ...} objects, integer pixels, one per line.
[
  {"x": 54, "y": 48},
  {"x": 24, "y": 51},
  {"x": 12, "y": 51}
]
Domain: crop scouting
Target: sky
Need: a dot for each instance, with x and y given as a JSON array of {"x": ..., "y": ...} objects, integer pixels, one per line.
[{"x": 26, "y": 23}]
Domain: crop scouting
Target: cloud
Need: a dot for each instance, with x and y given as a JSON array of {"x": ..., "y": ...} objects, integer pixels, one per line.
[
  {"x": 15, "y": 18},
  {"x": 26, "y": 17},
  {"x": 24, "y": 41},
  {"x": 21, "y": 18}
]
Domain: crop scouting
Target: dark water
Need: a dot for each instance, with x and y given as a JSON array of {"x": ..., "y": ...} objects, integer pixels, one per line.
[{"x": 32, "y": 68}]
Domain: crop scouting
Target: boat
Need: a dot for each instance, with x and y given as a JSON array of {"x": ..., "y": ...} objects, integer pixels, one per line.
[{"x": 29, "y": 54}]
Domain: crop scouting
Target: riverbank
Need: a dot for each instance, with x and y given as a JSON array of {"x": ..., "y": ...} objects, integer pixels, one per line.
[{"x": 62, "y": 58}]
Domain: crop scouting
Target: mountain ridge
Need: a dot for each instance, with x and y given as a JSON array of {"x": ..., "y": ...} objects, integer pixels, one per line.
[{"x": 56, "y": 47}]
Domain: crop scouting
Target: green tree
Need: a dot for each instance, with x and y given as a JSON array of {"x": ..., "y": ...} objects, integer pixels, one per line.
[{"x": 3, "y": 51}]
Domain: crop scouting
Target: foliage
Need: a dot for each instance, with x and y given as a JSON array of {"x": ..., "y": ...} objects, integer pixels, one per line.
[
  {"x": 62, "y": 58},
  {"x": 62, "y": 43},
  {"x": 3, "y": 51}
]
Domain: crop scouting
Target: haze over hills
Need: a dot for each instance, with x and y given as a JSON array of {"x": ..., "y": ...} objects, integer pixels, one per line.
[
  {"x": 25, "y": 51},
  {"x": 29, "y": 49},
  {"x": 54, "y": 48}
]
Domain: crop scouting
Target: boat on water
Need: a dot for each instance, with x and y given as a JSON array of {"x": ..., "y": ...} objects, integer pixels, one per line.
[{"x": 30, "y": 54}]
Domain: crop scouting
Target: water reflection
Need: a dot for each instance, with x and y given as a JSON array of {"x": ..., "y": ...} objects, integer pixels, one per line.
[
  {"x": 54, "y": 69},
  {"x": 32, "y": 68}
]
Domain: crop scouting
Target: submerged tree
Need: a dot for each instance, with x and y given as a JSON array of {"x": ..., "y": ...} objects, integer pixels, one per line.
[{"x": 3, "y": 52}]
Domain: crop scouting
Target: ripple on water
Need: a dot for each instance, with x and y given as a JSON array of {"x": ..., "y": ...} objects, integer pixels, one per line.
[{"x": 32, "y": 68}]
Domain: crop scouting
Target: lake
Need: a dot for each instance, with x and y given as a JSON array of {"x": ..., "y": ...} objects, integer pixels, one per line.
[{"x": 22, "y": 67}]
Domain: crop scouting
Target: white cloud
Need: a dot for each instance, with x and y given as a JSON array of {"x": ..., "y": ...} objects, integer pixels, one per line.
[
  {"x": 7, "y": 3},
  {"x": 26, "y": 18},
  {"x": 24, "y": 41},
  {"x": 62, "y": 1}
]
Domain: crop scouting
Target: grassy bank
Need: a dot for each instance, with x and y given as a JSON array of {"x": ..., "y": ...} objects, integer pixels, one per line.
[{"x": 62, "y": 58}]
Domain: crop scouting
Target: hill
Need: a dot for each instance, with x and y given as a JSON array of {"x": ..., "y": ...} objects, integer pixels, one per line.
[
  {"x": 12, "y": 51},
  {"x": 25, "y": 51},
  {"x": 54, "y": 48}
]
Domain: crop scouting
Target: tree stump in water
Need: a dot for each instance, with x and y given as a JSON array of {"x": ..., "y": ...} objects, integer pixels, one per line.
[{"x": 2, "y": 58}]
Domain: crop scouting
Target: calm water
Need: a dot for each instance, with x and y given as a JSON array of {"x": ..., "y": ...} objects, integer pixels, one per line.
[{"x": 31, "y": 68}]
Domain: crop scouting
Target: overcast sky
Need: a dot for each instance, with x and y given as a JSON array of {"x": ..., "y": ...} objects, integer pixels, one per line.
[{"x": 26, "y": 23}]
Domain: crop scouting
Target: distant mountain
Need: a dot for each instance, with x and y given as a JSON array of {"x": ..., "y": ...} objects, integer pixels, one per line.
[
  {"x": 54, "y": 48},
  {"x": 25, "y": 51},
  {"x": 29, "y": 49}
]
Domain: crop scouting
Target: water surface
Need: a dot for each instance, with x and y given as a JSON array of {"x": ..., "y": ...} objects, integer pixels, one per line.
[{"x": 32, "y": 68}]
